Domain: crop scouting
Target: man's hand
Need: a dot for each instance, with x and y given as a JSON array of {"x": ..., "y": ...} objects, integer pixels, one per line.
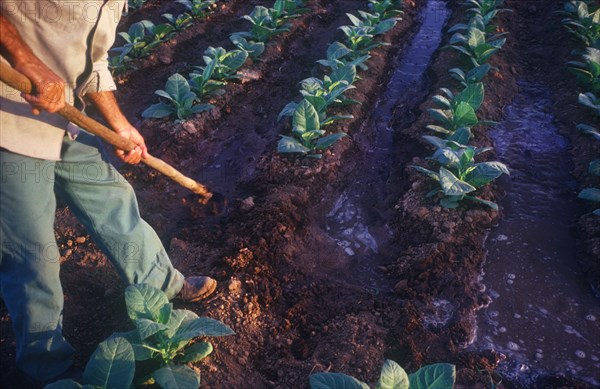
[
  {"x": 48, "y": 89},
  {"x": 141, "y": 151}
]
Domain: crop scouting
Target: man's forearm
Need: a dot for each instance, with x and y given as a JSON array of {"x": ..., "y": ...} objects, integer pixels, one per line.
[
  {"x": 12, "y": 46},
  {"x": 107, "y": 105}
]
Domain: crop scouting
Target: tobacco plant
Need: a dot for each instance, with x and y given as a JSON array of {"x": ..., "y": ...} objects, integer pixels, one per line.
[
  {"x": 474, "y": 46},
  {"x": 376, "y": 22},
  {"x": 157, "y": 32},
  {"x": 459, "y": 175},
  {"x": 162, "y": 335},
  {"x": 117, "y": 64},
  {"x": 587, "y": 70},
  {"x": 590, "y": 101},
  {"x": 198, "y": 8},
  {"x": 254, "y": 49},
  {"x": 582, "y": 23},
  {"x": 472, "y": 76},
  {"x": 264, "y": 24},
  {"x": 203, "y": 84},
  {"x": 457, "y": 111},
  {"x": 226, "y": 62},
  {"x": 179, "y": 100},
  {"x": 179, "y": 22},
  {"x": 338, "y": 55},
  {"x": 393, "y": 376},
  {"x": 308, "y": 138},
  {"x": 386, "y": 8}
]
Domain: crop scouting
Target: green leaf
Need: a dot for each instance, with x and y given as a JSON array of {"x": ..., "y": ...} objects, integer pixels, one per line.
[
  {"x": 157, "y": 111},
  {"x": 177, "y": 377},
  {"x": 177, "y": 86},
  {"x": 472, "y": 95},
  {"x": 591, "y": 194},
  {"x": 147, "y": 328},
  {"x": 447, "y": 157},
  {"x": 327, "y": 141},
  {"x": 428, "y": 172},
  {"x": 449, "y": 202},
  {"x": 451, "y": 185},
  {"x": 436, "y": 376},
  {"x": 344, "y": 73},
  {"x": 196, "y": 352},
  {"x": 335, "y": 381},
  {"x": 112, "y": 365},
  {"x": 234, "y": 59},
  {"x": 440, "y": 115},
  {"x": 140, "y": 352},
  {"x": 201, "y": 108},
  {"x": 392, "y": 376},
  {"x": 485, "y": 173},
  {"x": 290, "y": 145},
  {"x": 384, "y": 26},
  {"x": 475, "y": 37},
  {"x": 202, "y": 326},
  {"x": 490, "y": 204},
  {"x": 464, "y": 115},
  {"x": 179, "y": 316},
  {"x": 64, "y": 384},
  {"x": 439, "y": 129},
  {"x": 461, "y": 136},
  {"x": 144, "y": 301},
  {"x": 306, "y": 117}
]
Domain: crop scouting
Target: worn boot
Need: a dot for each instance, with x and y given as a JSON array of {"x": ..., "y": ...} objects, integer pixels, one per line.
[{"x": 197, "y": 288}]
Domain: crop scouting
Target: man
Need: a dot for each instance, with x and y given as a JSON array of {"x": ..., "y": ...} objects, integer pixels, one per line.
[{"x": 61, "y": 46}]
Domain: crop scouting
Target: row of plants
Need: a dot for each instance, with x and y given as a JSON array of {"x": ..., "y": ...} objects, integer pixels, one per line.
[
  {"x": 142, "y": 37},
  {"x": 582, "y": 20},
  {"x": 312, "y": 113},
  {"x": 184, "y": 97},
  {"x": 158, "y": 351},
  {"x": 459, "y": 175}
]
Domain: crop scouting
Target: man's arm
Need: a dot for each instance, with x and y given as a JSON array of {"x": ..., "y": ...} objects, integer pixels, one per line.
[
  {"x": 106, "y": 103},
  {"x": 49, "y": 88}
]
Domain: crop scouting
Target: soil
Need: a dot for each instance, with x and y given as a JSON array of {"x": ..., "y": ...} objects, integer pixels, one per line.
[{"x": 295, "y": 311}]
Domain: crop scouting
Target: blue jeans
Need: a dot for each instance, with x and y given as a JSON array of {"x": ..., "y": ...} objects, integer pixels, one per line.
[{"x": 105, "y": 204}]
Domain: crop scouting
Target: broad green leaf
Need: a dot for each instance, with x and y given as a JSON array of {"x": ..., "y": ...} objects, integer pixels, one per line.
[
  {"x": 164, "y": 94},
  {"x": 327, "y": 141},
  {"x": 384, "y": 26},
  {"x": 144, "y": 301},
  {"x": 464, "y": 115},
  {"x": 442, "y": 102},
  {"x": 472, "y": 95},
  {"x": 439, "y": 129},
  {"x": 112, "y": 365},
  {"x": 64, "y": 384},
  {"x": 234, "y": 59},
  {"x": 177, "y": 377},
  {"x": 490, "y": 204},
  {"x": 475, "y": 37},
  {"x": 344, "y": 73},
  {"x": 461, "y": 136},
  {"x": 290, "y": 145},
  {"x": 485, "y": 173},
  {"x": 451, "y": 185},
  {"x": 392, "y": 376},
  {"x": 202, "y": 326},
  {"x": 591, "y": 194},
  {"x": 334, "y": 118},
  {"x": 140, "y": 352},
  {"x": 439, "y": 115},
  {"x": 337, "y": 50},
  {"x": 147, "y": 328},
  {"x": 428, "y": 172},
  {"x": 179, "y": 316},
  {"x": 436, "y": 376},
  {"x": 177, "y": 86},
  {"x": 335, "y": 381},
  {"x": 447, "y": 157},
  {"x": 201, "y": 108},
  {"x": 449, "y": 202},
  {"x": 157, "y": 111},
  {"x": 306, "y": 117},
  {"x": 196, "y": 352},
  {"x": 288, "y": 110}
]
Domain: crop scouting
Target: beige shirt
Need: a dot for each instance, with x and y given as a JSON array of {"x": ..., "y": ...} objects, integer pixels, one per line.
[{"x": 72, "y": 37}]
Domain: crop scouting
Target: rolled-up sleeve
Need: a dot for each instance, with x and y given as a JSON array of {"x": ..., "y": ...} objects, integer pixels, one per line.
[{"x": 100, "y": 79}]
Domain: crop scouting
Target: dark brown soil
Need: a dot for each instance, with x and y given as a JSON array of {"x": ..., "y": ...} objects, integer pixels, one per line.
[{"x": 294, "y": 311}]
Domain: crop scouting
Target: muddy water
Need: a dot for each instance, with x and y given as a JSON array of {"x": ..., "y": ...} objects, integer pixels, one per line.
[
  {"x": 356, "y": 222},
  {"x": 544, "y": 316}
]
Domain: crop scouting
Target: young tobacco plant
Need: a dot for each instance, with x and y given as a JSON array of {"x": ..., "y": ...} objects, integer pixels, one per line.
[
  {"x": 587, "y": 70},
  {"x": 226, "y": 62},
  {"x": 179, "y": 100},
  {"x": 582, "y": 23},
  {"x": 161, "y": 338},
  {"x": 265, "y": 24},
  {"x": 393, "y": 376},
  {"x": 254, "y": 49},
  {"x": 111, "y": 366},
  {"x": 339, "y": 55},
  {"x": 386, "y": 8},
  {"x": 308, "y": 138},
  {"x": 472, "y": 76},
  {"x": 474, "y": 46},
  {"x": 198, "y": 8},
  {"x": 157, "y": 32},
  {"x": 203, "y": 84},
  {"x": 179, "y": 22},
  {"x": 590, "y": 101},
  {"x": 375, "y": 21},
  {"x": 137, "y": 42},
  {"x": 459, "y": 175},
  {"x": 457, "y": 111}
]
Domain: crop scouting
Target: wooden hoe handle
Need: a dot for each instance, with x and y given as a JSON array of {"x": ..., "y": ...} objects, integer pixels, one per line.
[{"x": 18, "y": 81}]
